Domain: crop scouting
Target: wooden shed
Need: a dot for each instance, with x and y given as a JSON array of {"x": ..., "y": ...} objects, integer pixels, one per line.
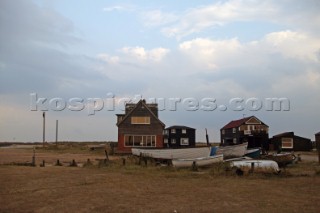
[{"x": 291, "y": 142}]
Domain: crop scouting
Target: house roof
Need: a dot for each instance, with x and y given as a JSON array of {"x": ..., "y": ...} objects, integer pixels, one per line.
[
  {"x": 288, "y": 134},
  {"x": 317, "y": 133},
  {"x": 143, "y": 103},
  {"x": 284, "y": 134},
  {"x": 237, "y": 123},
  {"x": 179, "y": 127}
]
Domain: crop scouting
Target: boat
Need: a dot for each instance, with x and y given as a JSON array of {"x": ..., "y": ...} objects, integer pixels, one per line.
[
  {"x": 182, "y": 153},
  {"x": 256, "y": 165},
  {"x": 283, "y": 159},
  {"x": 253, "y": 153},
  {"x": 200, "y": 162},
  {"x": 232, "y": 151}
]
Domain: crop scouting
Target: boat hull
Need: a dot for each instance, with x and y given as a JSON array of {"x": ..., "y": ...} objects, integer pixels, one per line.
[
  {"x": 200, "y": 162},
  {"x": 282, "y": 159},
  {"x": 253, "y": 153},
  {"x": 185, "y": 153},
  {"x": 232, "y": 151},
  {"x": 257, "y": 165}
]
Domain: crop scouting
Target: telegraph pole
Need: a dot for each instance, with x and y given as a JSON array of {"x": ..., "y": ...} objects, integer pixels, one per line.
[
  {"x": 44, "y": 128},
  {"x": 57, "y": 133}
]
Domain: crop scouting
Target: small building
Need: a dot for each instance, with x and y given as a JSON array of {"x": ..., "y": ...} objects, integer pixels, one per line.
[
  {"x": 179, "y": 137},
  {"x": 291, "y": 142},
  {"x": 140, "y": 126},
  {"x": 248, "y": 129}
]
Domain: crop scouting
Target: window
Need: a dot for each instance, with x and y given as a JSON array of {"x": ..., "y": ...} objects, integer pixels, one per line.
[
  {"x": 184, "y": 131},
  {"x": 166, "y": 132},
  {"x": 140, "y": 140},
  {"x": 234, "y": 140},
  {"x": 222, "y": 132},
  {"x": 287, "y": 143},
  {"x": 165, "y": 140},
  {"x": 234, "y": 130},
  {"x": 184, "y": 141},
  {"x": 173, "y": 141},
  {"x": 140, "y": 120},
  {"x": 173, "y": 131}
]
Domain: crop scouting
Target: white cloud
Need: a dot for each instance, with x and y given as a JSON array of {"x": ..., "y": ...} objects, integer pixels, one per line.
[
  {"x": 157, "y": 18},
  {"x": 108, "y": 59},
  {"x": 198, "y": 19},
  {"x": 295, "y": 15},
  {"x": 139, "y": 53},
  {"x": 118, "y": 8},
  {"x": 294, "y": 44},
  {"x": 209, "y": 53}
]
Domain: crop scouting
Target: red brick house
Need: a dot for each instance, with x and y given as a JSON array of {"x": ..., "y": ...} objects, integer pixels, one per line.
[{"x": 139, "y": 127}]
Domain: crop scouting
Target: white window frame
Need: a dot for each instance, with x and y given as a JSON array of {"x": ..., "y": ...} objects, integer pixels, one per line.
[
  {"x": 234, "y": 140},
  {"x": 287, "y": 140},
  {"x": 234, "y": 130},
  {"x": 184, "y": 131},
  {"x": 173, "y": 141},
  {"x": 173, "y": 131},
  {"x": 165, "y": 140},
  {"x": 146, "y": 141},
  {"x": 184, "y": 141}
]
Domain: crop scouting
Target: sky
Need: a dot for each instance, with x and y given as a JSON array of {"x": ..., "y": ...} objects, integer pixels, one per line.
[{"x": 205, "y": 62}]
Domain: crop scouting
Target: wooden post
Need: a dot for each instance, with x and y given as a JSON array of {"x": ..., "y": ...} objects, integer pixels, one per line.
[
  {"x": 140, "y": 158},
  {"x": 252, "y": 168},
  {"x": 73, "y": 163},
  {"x": 123, "y": 161},
  {"x": 145, "y": 161},
  {"x": 58, "y": 163},
  {"x": 107, "y": 157},
  {"x": 194, "y": 166},
  {"x": 34, "y": 157}
]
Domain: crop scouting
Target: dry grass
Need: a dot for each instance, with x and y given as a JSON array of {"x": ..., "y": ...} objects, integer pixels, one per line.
[{"x": 134, "y": 188}]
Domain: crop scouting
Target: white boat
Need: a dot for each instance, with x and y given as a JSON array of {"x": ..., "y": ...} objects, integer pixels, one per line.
[
  {"x": 204, "y": 161},
  {"x": 233, "y": 151},
  {"x": 259, "y": 165},
  {"x": 184, "y": 153}
]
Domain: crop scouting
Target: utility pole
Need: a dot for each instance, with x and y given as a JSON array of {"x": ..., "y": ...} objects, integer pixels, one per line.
[
  {"x": 44, "y": 128},
  {"x": 57, "y": 133},
  {"x": 207, "y": 138}
]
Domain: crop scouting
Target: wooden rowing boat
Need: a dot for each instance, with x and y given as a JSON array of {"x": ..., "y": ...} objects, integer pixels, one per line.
[
  {"x": 233, "y": 151},
  {"x": 200, "y": 162},
  {"x": 183, "y": 153},
  {"x": 283, "y": 159}
]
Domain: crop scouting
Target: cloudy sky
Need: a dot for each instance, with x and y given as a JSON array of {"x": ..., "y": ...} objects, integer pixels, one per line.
[{"x": 165, "y": 50}]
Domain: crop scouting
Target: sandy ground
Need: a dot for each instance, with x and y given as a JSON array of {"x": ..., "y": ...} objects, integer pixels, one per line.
[
  {"x": 133, "y": 188},
  {"x": 65, "y": 189}
]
